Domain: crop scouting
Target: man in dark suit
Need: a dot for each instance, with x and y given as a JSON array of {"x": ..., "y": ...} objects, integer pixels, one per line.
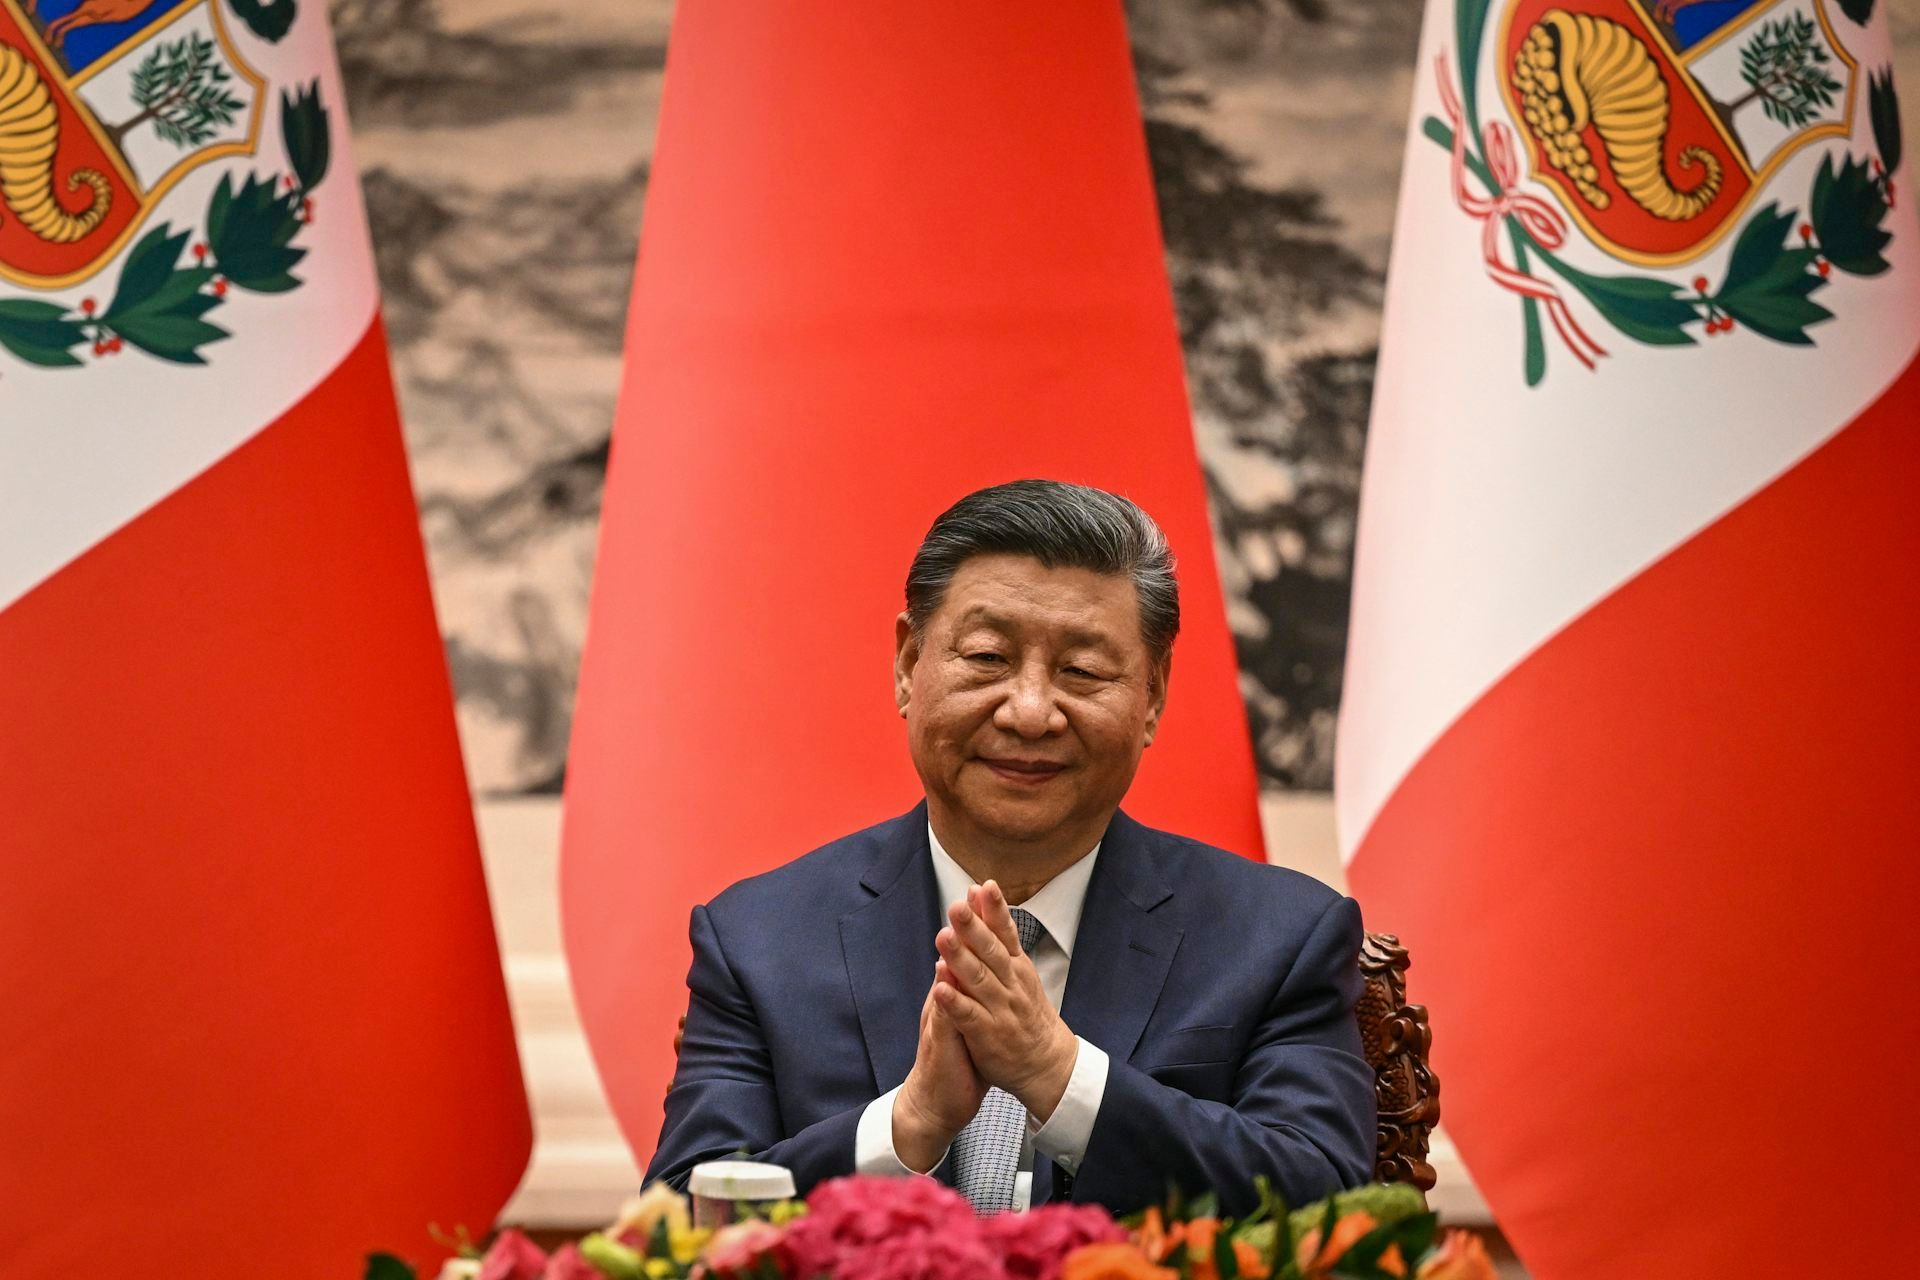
[{"x": 1015, "y": 986}]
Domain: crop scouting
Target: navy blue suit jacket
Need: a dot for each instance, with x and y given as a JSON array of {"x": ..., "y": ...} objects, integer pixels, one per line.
[{"x": 1221, "y": 989}]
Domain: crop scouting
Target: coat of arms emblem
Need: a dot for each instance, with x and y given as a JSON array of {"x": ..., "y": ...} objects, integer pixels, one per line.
[
  {"x": 1659, "y": 128},
  {"x": 105, "y": 107}
]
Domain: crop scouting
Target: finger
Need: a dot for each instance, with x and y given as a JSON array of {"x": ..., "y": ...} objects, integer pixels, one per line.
[
  {"x": 994, "y": 910},
  {"x": 961, "y": 966},
  {"x": 973, "y": 931},
  {"x": 962, "y": 1009},
  {"x": 938, "y": 1023}
]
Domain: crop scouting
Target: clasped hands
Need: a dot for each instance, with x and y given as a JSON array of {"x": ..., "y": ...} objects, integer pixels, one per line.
[{"x": 986, "y": 1021}]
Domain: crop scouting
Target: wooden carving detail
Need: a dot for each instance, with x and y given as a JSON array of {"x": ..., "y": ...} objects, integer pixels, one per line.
[{"x": 1397, "y": 1038}]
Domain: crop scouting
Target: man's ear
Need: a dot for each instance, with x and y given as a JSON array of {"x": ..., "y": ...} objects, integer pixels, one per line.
[
  {"x": 1157, "y": 694},
  {"x": 906, "y": 652}
]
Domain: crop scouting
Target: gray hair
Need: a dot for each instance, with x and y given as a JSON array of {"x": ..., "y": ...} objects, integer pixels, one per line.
[{"x": 1072, "y": 526}]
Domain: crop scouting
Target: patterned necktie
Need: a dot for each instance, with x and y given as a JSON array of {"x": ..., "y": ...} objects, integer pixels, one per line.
[{"x": 986, "y": 1155}]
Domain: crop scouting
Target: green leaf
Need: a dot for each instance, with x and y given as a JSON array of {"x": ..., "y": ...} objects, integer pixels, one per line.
[
  {"x": 304, "y": 128},
  {"x": 1225, "y": 1261},
  {"x": 1645, "y": 308},
  {"x": 1759, "y": 244},
  {"x": 1417, "y": 1236},
  {"x": 268, "y": 19},
  {"x": 1846, "y": 210},
  {"x": 248, "y": 235},
  {"x": 1767, "y": 284},
  {"x": 1883, "y": 107},
  {"x": 165, "y": 321},
  {"x": 1386, "y": 1202},
  {"x": 1362, "y": 1258},
  {"x": 384, "y": 1266},
  {"x": 148, "y": 265},
  {"x": 39, "y": 333},
  {"x": 1777, "y": 303},
  {"x": 174, "y": 338}
]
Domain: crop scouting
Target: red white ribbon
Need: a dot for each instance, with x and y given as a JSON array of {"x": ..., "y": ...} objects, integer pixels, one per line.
[{"x": 1538, "y": 218}]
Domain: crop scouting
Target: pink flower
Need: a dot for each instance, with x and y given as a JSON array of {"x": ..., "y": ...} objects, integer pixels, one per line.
[
  {"x": 513, "y": 1257},
  {"x": 567, "y": 1264},
  {"x": 922, "y": 1256},
  {"x": 739, "y": 1245},
  {"x": 1035, "y": 1244},
  {"x": 881, "y": 1229}
]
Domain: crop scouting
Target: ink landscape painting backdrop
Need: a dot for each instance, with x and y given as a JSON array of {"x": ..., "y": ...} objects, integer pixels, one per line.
[{"x": 504, "y": 148}]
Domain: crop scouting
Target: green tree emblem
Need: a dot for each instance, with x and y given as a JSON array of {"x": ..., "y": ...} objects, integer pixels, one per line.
[
  {"x": 182, "y": 88},
  {"x": 1784, "y": 66}
]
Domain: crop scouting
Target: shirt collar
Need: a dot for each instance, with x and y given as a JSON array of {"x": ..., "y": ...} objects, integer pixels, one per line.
[{"x": 1057, "y": 906}]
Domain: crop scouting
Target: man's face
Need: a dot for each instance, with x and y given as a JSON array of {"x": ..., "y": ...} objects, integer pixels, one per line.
[{"x": 1028, "y": 698}]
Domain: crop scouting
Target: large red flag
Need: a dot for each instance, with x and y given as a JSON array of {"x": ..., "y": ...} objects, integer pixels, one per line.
[
  {"x": 893, "y": 253},
  {"x": 1628, "y": 752},
  {"x": 252, "y": 1020}
]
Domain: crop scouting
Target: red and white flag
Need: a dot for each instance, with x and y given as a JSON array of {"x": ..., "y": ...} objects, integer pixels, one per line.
[
  {"x": 1627, "y": 755},
  {"x": 252, "y": 1018},
  {"x": 893, "y": 253}
]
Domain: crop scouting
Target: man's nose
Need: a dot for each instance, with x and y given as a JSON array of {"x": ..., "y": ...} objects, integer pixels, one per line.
[{"x": 1029, "y": 709}]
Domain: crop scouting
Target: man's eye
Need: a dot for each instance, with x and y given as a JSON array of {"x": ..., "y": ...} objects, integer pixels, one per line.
[
  {"x": 985, "y": 657},
  {"x": 1081, "y": 673}
]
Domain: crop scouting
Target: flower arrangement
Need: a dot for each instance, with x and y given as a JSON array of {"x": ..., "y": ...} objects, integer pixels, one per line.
[{"x": 918, "y": 1229}]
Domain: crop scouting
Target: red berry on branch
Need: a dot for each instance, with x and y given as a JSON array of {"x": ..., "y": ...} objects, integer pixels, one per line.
[
  {"x": 1699, "y": 284},
  {"x": 1806, "y": 231},
  {"x": 113, "y": 345},
  {"x": 99, "y": 347},
  {"x": 86, "y": 305},
  {"x": 200, "y": 251},
  {"x": 219, "y": 288},
  {"x": 1823, "y": 267}
]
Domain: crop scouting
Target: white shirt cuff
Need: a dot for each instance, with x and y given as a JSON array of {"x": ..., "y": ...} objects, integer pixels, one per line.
[
  {"x": 1064, "y": 1137},
  {"x": 873, "y": 1152}
]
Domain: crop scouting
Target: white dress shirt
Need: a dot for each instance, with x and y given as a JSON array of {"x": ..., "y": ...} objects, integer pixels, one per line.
[{"x": 1063, "y": 1138}]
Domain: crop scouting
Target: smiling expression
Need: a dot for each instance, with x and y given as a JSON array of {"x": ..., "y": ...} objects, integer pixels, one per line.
[{"x": 1028, "y": 697}]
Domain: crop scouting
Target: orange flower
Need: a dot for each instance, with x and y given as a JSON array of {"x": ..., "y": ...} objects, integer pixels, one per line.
[
  {"x": 1316, "y": 1259},
  {"x": 1112, "y": 1262},
  {"x": 1461, "y": 1257},
  {"x": 1247, "y": 1257},
  {"x": 1154, "y": 1239},
  {"x": 1200, "y": 1234}
]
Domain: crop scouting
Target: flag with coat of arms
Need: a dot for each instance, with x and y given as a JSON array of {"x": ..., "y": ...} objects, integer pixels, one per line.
[
  {"x": 1627, "y": 746},
  {"x": 251, "y": 1009}
]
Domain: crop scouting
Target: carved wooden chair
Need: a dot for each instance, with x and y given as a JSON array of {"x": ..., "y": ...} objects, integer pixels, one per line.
[{"x": 1397, "y": 1038}]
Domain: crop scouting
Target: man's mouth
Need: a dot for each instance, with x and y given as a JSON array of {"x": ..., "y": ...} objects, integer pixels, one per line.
[{"x": 1026, "y": 773}]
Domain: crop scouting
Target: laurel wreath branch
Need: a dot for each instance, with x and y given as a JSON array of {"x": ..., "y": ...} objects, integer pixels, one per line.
[
  {"x": 165, "y": 293},
  {"x": 1775, "y": 267}
]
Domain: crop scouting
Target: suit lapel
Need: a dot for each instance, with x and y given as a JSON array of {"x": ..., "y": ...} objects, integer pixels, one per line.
[
  {"x": 888, "y": 944},
  {"x": 1124, "y": 949}
]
